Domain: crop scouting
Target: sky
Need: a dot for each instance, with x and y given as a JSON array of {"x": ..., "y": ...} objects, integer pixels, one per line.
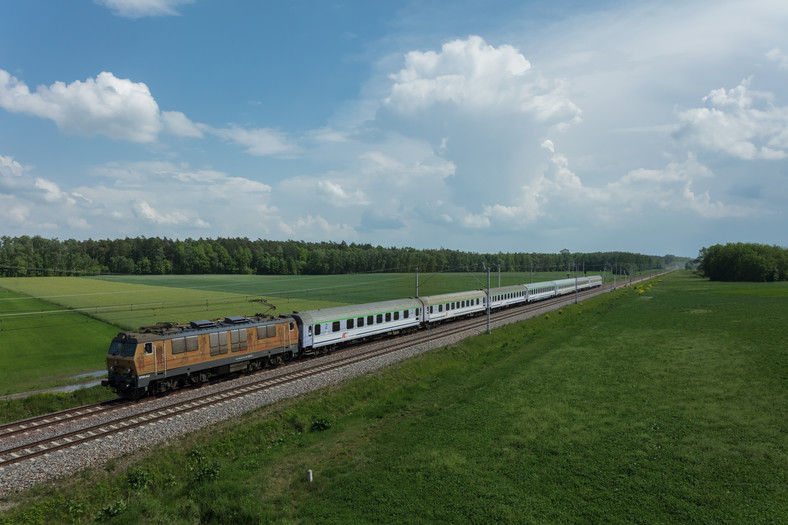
[{"x": 658, "y": 127}]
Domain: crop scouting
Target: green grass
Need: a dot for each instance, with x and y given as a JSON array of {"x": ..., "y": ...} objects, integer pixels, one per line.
[
  {"x": 17, "y": 409},
  {"x": 40, "y": 350},
  {"x": 661, "y": 406}
]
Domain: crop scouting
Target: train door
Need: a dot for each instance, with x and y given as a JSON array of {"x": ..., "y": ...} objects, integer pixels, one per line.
[{"x": 159, "y": 357}]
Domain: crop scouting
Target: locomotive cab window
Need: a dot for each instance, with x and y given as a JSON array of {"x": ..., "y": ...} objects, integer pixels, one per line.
[{"x": 148, "y": 348}]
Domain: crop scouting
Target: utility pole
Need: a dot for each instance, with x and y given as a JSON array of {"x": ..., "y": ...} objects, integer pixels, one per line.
[
  {"x": 488, "y": 297},
  {"x": 417, "y": 281},
  {"x": 499, "y": 273},
  {"x": 532, "y": 272},
  {"x": 575, "y": 283}
]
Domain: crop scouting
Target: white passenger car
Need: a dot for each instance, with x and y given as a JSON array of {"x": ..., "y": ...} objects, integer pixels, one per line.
[
  {"x": 439, "y": 308},
  {"x": 539, "y": 291},
  {"x": 507, "y": 296},
  {"x": 332, "y": 326}
]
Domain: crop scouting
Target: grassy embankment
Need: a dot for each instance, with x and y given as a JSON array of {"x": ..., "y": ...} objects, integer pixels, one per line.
[{"x": 661, "y": 405}]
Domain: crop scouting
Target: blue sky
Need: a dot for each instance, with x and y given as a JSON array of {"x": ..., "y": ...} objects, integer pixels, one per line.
[{"x": 655, "y": 127}]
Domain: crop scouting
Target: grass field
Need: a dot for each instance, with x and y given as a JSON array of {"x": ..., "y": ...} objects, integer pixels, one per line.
[
  {"x": 39, "y": 350},
  {"x": 54, "y": 328},
  {"x": 665, "y": 405}
]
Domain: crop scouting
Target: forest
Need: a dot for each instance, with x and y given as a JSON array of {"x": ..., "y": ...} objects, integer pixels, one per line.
[
  {"x": 744, "y": 262},
  {"x": 38, "y": 256}
]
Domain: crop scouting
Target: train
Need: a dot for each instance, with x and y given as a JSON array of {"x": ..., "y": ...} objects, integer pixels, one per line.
[{"x": 163, "y": 358}]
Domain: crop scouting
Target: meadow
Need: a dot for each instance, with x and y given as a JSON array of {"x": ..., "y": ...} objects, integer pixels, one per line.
[
  {"x": 52, "y": 329},
  {"x": 661, "y": 404}
]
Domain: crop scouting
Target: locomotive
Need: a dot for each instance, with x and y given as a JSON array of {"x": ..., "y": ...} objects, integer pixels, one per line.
[{"x": 161, "y": 359}]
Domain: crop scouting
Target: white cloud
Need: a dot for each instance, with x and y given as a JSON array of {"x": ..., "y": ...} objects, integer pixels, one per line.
[
  {"x": 17, "y": 179},
  {"x": 476, "y": 76},
  {"x": 13, "y": 210},
  {"x": 259, "y": 142},
  {"x": 177, "y": 124},
  {"x": 107, "y": 105},
  {"x": 775, "y": 55},
  {"x": 671, "y": 189},
  {"x": 335, "y": 194},
  {"x": 142, "y": 8},
  {"x": 739, "y": 122},
  {"x": 170, "y": 218}
]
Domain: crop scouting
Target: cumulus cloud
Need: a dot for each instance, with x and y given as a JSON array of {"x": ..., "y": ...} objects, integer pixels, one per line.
[
  {"x": 17, "y": 179},
  {"x": 336, "y": 194},
  {"x": 671, "y": 188},
  {"x": 177, "y": 124},
  {"x": 739, "y": 122},
  {"x": 105, "y": 105},
  {"x": 142, "y": 8},
  {"x": 477, "y": 76}
]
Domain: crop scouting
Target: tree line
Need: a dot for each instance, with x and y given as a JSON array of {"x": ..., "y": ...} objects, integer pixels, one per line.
[
  {"x": 38, "y": 256},
  {"x": 744, "y": 262}
]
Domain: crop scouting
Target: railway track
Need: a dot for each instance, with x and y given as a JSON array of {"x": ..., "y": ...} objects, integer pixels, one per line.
[{"x": 177, "y": 408}]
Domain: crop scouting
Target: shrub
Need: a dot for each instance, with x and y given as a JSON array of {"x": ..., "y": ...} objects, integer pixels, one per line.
[{"x": 319, "y": 424}]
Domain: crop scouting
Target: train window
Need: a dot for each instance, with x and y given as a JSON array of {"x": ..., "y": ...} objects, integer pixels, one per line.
[
  {"x": 148, "y": 348},
  {"x": 349, "y": 324},
  {"x": 192, "y": 344},
  {"x": 335, "y": 326},
  {"x": 292, "y": 326},
  {"x": 406, "y": 314},
  {"x": 396, "y": 316},
  {"x": 370, "y": 320},
  {"x": 178, "y": 345},
  {"x": 360, "y": 322},
  {"x": 440, "y": 307},
  {"x": 417, "y": 311},
  {"x": 317, "y": 329},
  {"x": 238, "y": 338},
  {"x": 216, "y": 347},
  {"x": 388, "y": 317},
  {"x": 379, "y": 318}
]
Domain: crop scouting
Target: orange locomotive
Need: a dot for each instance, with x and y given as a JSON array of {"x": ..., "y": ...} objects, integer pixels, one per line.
[{"x": 162, "y": 359}]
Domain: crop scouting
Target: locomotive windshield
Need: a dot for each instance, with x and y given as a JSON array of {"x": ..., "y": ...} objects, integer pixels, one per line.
[{"x": 124, "y": 350}]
